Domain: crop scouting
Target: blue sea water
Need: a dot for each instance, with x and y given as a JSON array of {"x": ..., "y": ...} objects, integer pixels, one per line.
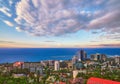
[{"x": 38, "y": 54}]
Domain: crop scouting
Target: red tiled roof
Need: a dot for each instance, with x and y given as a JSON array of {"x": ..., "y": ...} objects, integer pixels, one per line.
[
  {"x": 18, "y": 64},
  {"x": 94, "y": 80}
]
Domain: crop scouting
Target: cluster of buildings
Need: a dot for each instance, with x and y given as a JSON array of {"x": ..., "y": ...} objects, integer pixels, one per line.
[{"x": 78, "y": 64}]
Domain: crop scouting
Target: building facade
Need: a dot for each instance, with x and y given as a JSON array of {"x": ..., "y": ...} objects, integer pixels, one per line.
[
  {"x": 82, "y": 55},
  {"x": 35, "y": 67},
  {"x": 56, "y": 65},
  {"x": 98, "y": 57}
]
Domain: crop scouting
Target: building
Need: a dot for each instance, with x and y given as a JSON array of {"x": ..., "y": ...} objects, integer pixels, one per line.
[
  {"x": 44, "y": 63},
  {"x": 74, "y": 59},
  {"x": 70, "y": 65},
  {"x": 76, "y": 72},
  {"x": 82, "y": 55},
  {"x": 114, "y": 60},
  {"x": 117, "y": 59},
  {"x": 18, "y": 75},
  {"x": 98, "y": 57},
  {"x": 76, "y": 81},
  {"x": 59, "y": 82},
  {"x": 78, "y": 66},
  {"x": 56, "y": 65},
  {"x": 33, "y": 67},
  {"x": 18, "y": 64},
  {"x": 51, "y": 64},
  {"x": 63, "y": 64}
]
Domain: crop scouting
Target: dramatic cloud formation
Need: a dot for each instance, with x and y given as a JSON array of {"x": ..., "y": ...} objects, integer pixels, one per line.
[{"x": 59, "y": 17}]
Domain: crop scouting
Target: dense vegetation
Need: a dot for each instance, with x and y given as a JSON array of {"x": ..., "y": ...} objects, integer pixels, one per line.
[
  {"x": 105, "y": 74},
  {"x": 7, "y": 78}
]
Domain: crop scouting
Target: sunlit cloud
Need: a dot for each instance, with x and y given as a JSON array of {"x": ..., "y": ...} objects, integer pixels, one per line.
[
  {"x": 107, "y": 45},
  {"x": 18, "y": 29},
  {"x": 8, "y": 23},
  {"x": 59, "y": 18},
  {"x": 6, "y": 41},
  {"x": 5, "y": 10}
]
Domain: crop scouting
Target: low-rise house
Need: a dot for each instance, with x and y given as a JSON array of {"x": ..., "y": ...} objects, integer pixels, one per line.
[
  {"x": 18, "y": 64},
  {"x": 18, "y": 75},
  {"x": 70, "y": 65},
  {"x": 63, "y": 65},
  {"x": 51, "y": 79},
  {"x": 51, "y": 64},
  {"x": 75, "y": 72},
  {"x": 59, "y": 82},
  {"x": 76, "y": 81}
]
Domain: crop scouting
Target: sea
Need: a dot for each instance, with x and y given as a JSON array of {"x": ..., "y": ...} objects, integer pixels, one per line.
[{"x": 10, "y": 55}]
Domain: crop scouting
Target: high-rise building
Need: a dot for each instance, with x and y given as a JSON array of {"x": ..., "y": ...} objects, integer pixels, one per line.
[
  {"x": 82, "y": 55},
  {"x": 98, "y": 57},
  {"x": 74, "y": 59},
  {"x": 117, "y": 59},
  {"x": 56, "y": 65}
]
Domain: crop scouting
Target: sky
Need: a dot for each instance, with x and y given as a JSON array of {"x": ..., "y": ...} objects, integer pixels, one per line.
[{"x": 59, "y": 23}]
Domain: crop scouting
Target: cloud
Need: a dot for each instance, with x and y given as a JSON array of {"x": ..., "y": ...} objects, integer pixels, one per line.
[
  {"x": 18, "y": 29},
  {"x": 110, "y": 45},
  {"x": 94, "y": 41},
  {"x": 43, "y": 18},
  {"x": 60, "y": 17},
  {"x": 8, "y": 23},
  {"x": 50, "y": 41},
  {"x": 10, "y": 2},
  {"x": 95, "y": 32},
  {"x": 5, "y": 10},
  {"x": 109, "y": 21},
  {"x": 7, "y": 41},
  {"x": 117, "y": 45},
  {"x": 113, "y": 36}
]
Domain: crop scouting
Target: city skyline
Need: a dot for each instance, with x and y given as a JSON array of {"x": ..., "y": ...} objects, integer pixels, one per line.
[{"x": 59, "y": 23}]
